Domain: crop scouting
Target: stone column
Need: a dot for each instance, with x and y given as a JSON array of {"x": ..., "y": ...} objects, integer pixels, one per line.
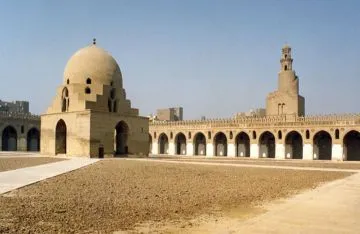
[
  {"x": 254, "y": 151},
  {"x": 155, "y": 148},
  {"x": 308, "y": 152},
  {"x": 21, "y": 143},
  {"x": 189, "y": 149},
  {"x": 209, "y": 150},
  {"x": 280, "y": 151},
  {"x": 171, "y": 150},
  {"x": 231, "y": 150},
  {"x": 337, "y": 152}
]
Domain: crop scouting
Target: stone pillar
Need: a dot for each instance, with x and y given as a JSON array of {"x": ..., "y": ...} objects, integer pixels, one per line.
[
  {"x": 231, "y": 150},
  {"x": 21, "y": 143},
  {"x": 189, "y": 149},
  {"x": 254, "y": 151},
  {"x": 209, "y": 150},
  {"x": 337, "y": 152},
  {"x": 308, "y": 153},
  {"x": 155, "y": 148},
  {"x": 279, "y": 151},
  {"x": 171, "y": 150}
]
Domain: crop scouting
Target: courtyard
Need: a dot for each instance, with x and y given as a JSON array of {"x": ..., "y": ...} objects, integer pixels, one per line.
[{"x": 142, "y": 195}]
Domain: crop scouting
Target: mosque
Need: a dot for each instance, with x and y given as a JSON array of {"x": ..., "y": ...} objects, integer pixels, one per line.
[
  {"x": 91, "y": 116},
  {"x": 284, "y": 132}
]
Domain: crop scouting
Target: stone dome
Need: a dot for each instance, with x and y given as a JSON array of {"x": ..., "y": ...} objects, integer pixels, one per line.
[{"x": 94, "y": 63}]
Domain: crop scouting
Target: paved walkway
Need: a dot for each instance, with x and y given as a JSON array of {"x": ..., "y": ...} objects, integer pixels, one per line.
[
  {"x": 332, "y": 208},
  {"x": 10, "y": 180}
]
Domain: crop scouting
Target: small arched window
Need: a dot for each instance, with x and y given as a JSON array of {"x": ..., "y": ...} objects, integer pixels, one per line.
[
  {"x": 65, "y": 100},
  {"x": 67, "y": 81},
  {"x": 337, "y": 134},
  {"x": 88, "y": 81},
  {"x": 254, "y": 134},
  {"x": 209, "y": 135},
  {"x": 307, "y": 134},
  {"x": 111, "y": 83},
  {"x": 285, "y": 68},
  {"x": 189, "y": 135},
  {"x": 231, "y": 135},
  {"x": 87, "y": 90},
  {"x": 279, "y": 135},
  {"x": 154, "y": 135},
  {"x": 171, "y": 135}
]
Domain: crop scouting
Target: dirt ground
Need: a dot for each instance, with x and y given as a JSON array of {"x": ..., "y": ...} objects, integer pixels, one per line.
[
  {"x": 271, "y": 162},
  {"x": 113, "y": 195},
  {"x": 7, "y": 164}
]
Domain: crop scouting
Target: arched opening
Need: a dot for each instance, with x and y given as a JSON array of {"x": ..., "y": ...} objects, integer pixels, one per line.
[
  {"x": 60, "y": 137},
  {"x": 242, "y": 142},
  {"x": 286, "y": 68},
  {"x": 87, "y": 90},
  {"x": 9, "y": 139},
  {"x": 67, "y": 81},
  {"x": 121, "y": 138},
  {"x": 180, "y": 144},
  {"x": 150, "y": 144},
  {"x": 267, "y": 145},
  {"x": 352, "y": 146},
  {"x": 220, "y": 143},
  {"x": 163, "y": 144},
  {"x": 337, "y": 134},
  {"x": 293, "y": 145},
  {"x": 33, "y": 140},
  {"x": 65, "y": 100},
  {"x": 322, "y": 146},
  {"x": 200, "y": 144},
  {"x": 88, "y": 81}
]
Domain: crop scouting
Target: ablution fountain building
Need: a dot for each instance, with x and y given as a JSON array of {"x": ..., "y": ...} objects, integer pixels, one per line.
[{"x": 285, "y": 132}]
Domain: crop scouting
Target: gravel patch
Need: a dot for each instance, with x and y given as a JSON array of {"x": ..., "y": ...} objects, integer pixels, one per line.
[
  {"x": 7, "y": 164},
  {"x": 114, "y": 195}
]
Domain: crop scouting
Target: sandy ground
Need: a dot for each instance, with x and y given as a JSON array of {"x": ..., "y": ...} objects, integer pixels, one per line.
[
  {"x": 270, "y": 162},
  {"x": 114, "y": 195},
  {"x": 7, "y": 164}
]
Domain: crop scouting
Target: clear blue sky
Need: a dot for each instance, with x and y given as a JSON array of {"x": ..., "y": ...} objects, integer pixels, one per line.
[{"x": 214, "y": 58}]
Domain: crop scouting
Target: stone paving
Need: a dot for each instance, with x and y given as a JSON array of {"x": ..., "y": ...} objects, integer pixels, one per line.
[{"x": 10, "y": 180}]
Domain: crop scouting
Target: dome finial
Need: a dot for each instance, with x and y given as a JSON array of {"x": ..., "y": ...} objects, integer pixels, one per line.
[{"x": 94, "y": 41}]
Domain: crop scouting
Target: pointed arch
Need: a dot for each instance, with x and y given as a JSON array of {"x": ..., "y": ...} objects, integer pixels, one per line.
[
  {"x": 242, "y": 141},
  {"x": 322, "y": 142},
  {"x": 60, "y": 137},
  {"x": 351, "y": 144},
  {"x": 267, "y": 145},
  {"x": 163, "y": 144},
  {"x": 220, "y": 143},
  {"x": 294, "y": 145},
  {"x": 121, "y": 138},
  {"x": 200, "y": 144},
  {"x": 180, "y": 144},
  {"x": 33, "y": 140},
  {"x": 9, "y": 139}
]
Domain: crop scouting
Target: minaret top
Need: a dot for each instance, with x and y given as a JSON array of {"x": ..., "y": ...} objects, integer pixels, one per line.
[{"x": 286, "y": 60}]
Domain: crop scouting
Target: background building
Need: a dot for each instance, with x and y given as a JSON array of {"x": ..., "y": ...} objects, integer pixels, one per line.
[
  {"x": 170, "y": 114},
  {"x": 16, "y": 106}
]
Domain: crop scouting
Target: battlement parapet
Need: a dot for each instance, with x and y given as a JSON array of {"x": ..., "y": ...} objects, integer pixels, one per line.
[
  {"x": 278, "y": 120},
  {"x": 18, "y": 115}
]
